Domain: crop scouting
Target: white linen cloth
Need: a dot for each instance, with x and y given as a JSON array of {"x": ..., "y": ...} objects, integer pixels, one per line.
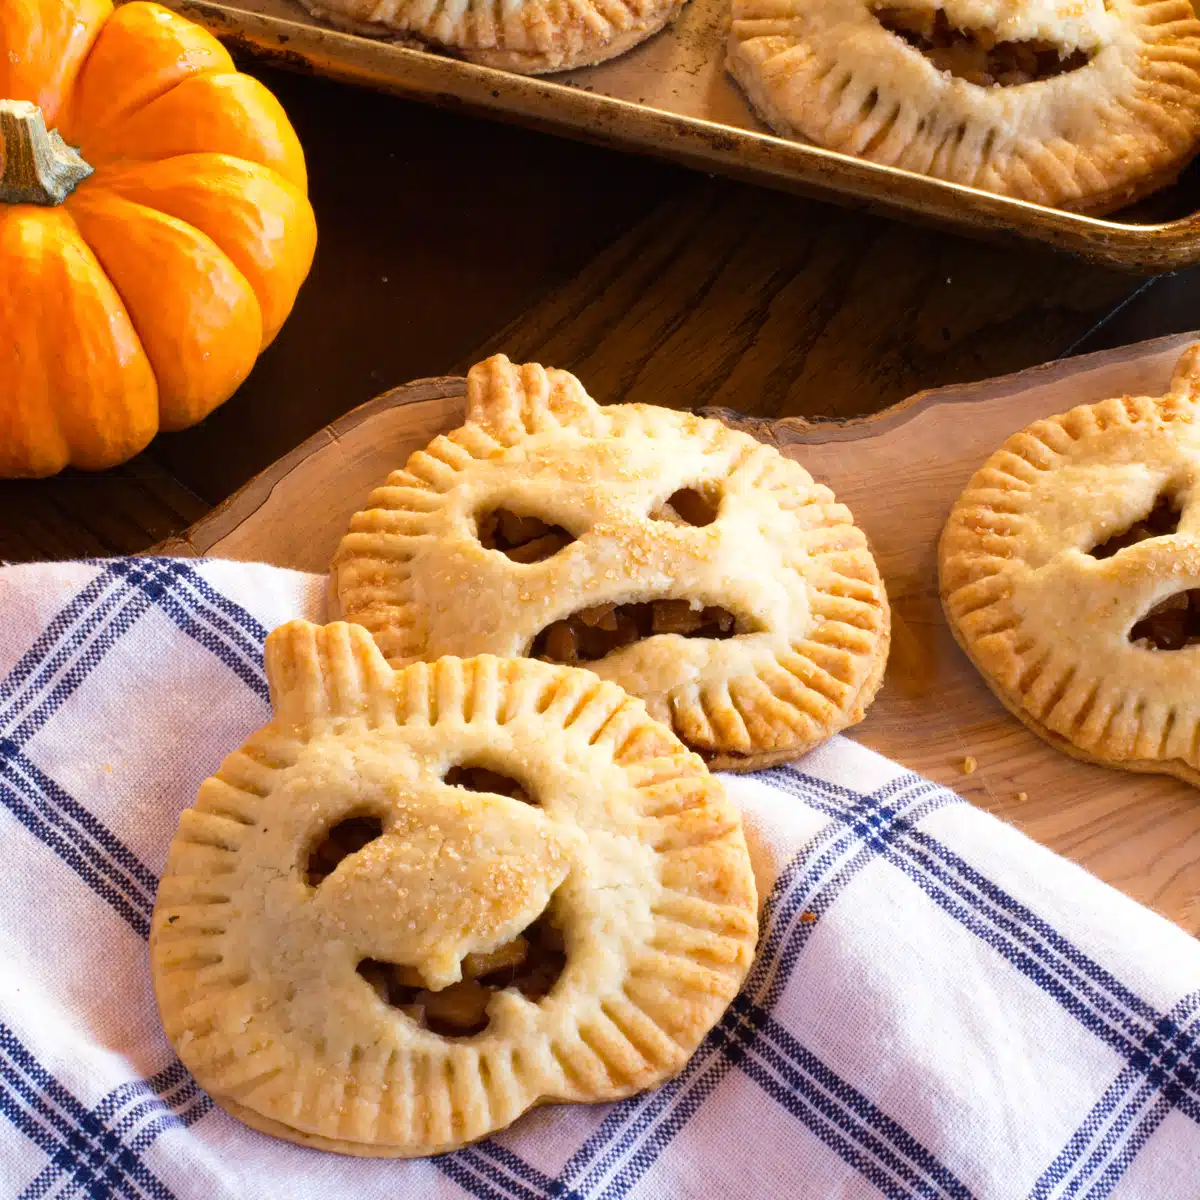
[{"x": 939, "y": 1007}]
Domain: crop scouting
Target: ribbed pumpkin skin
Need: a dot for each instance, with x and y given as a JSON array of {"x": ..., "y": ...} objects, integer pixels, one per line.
[{"x": 143, "y": 301}]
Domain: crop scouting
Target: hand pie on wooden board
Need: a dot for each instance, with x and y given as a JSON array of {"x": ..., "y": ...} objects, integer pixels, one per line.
[
  {"x": 1070, "y": 575},
  {"x": 698, "y": 568},
  {"x": 530, "y": 37},
  {"x": 1084, "y": 106},
  {"x": 418, "y": 903}
]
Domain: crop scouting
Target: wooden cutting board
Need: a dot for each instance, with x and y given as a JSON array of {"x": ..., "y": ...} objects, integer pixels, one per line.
[{"x": 899, "y": 472}]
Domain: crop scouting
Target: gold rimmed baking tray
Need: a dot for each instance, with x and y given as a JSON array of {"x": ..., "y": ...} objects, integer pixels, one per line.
[{"x": 671, "y": 97}]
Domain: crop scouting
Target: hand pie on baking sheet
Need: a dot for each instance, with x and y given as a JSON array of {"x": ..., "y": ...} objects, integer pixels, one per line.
[
  {"x": 418, "y": 903},
  {"x": 530, "y": 37},
  {"x": 698, "y": 568},
  {"x": 1083, "y": 106},
  {"x": 1070, "y": 574}
]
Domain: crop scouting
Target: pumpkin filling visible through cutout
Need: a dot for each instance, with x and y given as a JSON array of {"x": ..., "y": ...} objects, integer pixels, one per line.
[
  {"x": 591, "y": 633},
  {"x": 975, "y": 54},
  {"x": 481, "y": 779},
  {"x": 1161, "y": 521},
  {"x": 523, "y": 539},
  {"x": 1171, "y": 624},
  {"x": 531, "y": 963},
  {"x": 345, "y": 838}
]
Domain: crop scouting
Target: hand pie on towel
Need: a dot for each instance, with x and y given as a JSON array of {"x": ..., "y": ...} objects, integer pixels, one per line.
[{"x": 419, "y": 902}]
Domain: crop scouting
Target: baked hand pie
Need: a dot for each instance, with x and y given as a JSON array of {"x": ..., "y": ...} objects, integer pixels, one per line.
[
  {"x": 1070, "y": 574},
  {"x": 418, "y": 903},
  {"x": 1083, "y": 106},
  {"x": 696, "y": 567},
  {"x": 530, "y": 37}
]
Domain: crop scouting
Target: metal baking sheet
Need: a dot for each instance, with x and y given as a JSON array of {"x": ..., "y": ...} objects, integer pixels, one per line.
[{"x": 671, "y": 97}]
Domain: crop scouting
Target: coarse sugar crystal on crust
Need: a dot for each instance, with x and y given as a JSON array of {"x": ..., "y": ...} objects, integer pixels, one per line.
[
  {"x": 1084, "y": 106},
  {"x": 419, "y": 902},
  {"x": 1070, "y": 575},
  {"x": 695, "y": 566},
  {"x": 529, "y": 37}
]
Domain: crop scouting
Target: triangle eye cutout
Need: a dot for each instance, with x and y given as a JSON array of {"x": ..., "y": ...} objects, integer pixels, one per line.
[
  {"x": 689, "y": 506},
  {"x": 1172, "y": 624},
  {"x": 481, "y": 779},
  {"x": 524, "y": 539},
  {"x": 345, "y": 838},
  {"x": 1161, "y": 521}
]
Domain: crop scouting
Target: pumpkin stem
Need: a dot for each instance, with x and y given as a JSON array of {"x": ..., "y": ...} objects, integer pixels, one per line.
[{"x": 36, "y": 165}]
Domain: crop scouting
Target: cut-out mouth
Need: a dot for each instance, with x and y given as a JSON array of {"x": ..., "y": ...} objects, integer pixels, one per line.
[
  {"x": 482, "y": 779},
  {"x": 1161, "y": 521},
  {"x": 976, "y": 55},
  {"x": 523, "y": 539},
  {"x": 343, "y": 839},
  {"x": 591, "y": 633},
  {"x": 531, "y": 963},
  {"x": 1171, "y": 624}
]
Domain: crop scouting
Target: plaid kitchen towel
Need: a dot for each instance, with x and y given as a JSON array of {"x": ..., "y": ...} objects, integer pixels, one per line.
[{"x": 939, "y": 1007}]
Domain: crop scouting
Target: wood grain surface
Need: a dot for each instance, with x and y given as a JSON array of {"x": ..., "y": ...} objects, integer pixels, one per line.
[
  {"x": 442, "y": 235},
  {"x": 899, "y": 471},
  {"x": 728, "y": 296}
]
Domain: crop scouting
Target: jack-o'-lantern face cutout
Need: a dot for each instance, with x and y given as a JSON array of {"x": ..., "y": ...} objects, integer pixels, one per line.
[
  {"x": 1070, "y": 573},
  {"x": 1086, "y": 105},
  {"x": 698, "y": 568},
  {"x": 419, "y": 902}
]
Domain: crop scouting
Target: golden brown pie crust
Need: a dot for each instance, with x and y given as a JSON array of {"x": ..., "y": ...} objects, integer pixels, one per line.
[
  {"x": 533, "y": 37},
  {"x": 1085, "y": 106},
  {"x": 658, "y": 513},
  {"x": 1066, "y": 582},
  {"x": 620, "y": 842}
]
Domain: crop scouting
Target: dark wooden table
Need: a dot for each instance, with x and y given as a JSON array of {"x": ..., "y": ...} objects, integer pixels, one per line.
[{"x": 444, "y": 237}]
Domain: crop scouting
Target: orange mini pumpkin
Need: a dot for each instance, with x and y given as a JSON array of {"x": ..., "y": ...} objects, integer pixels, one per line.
[{"x": 141, "y": 276}]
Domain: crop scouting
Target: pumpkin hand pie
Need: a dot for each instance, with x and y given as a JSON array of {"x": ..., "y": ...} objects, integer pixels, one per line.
[
  {"x": 1070, "y": 574},
  {"x": 698, "y": 568},
  {"x": 419, "y": 902},
  {"x": 529, "y": 37},
  {"x": 1085, "y": 106}
]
